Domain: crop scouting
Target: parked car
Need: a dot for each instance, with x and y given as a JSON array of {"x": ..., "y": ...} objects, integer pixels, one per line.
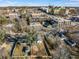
[
  {"x": 49, "y": 22},
  {"x": 74, "y": 19}
]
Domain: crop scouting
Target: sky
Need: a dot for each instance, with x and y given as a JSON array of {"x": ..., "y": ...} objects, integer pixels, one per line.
[{"x": 39, "y": 2}]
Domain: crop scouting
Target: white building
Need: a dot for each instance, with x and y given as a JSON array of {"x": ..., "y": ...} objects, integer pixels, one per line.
[{"x": 45, "y": 9}]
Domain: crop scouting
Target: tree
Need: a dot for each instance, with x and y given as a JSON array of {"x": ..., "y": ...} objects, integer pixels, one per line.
[
  {"x": 17, "y": 25},
  {"x": 28, "y": 20},
  {"x": 52, "y": 11},
  {"x": 31, "y": 36},
  {"x": 2, "y": 35},
  {"x": 3, "y": 20},
  {"x": 62, "y": 11}
]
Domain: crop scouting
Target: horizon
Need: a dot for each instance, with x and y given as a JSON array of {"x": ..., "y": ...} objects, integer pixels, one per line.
[
  {"x": 69, "y": 3},
  {"x": 38, "y": 6}
]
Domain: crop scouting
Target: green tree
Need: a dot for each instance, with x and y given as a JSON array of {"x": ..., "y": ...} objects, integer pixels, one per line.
[
  {"x": 17, "y": 25},
  {"x": 52, "y": 11},
  {"x": 2, "y": 35},
  {"x": 28, "y": 20},
  {"x": 31, "y": 36},
  {"x": 3, "y": 20}
]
